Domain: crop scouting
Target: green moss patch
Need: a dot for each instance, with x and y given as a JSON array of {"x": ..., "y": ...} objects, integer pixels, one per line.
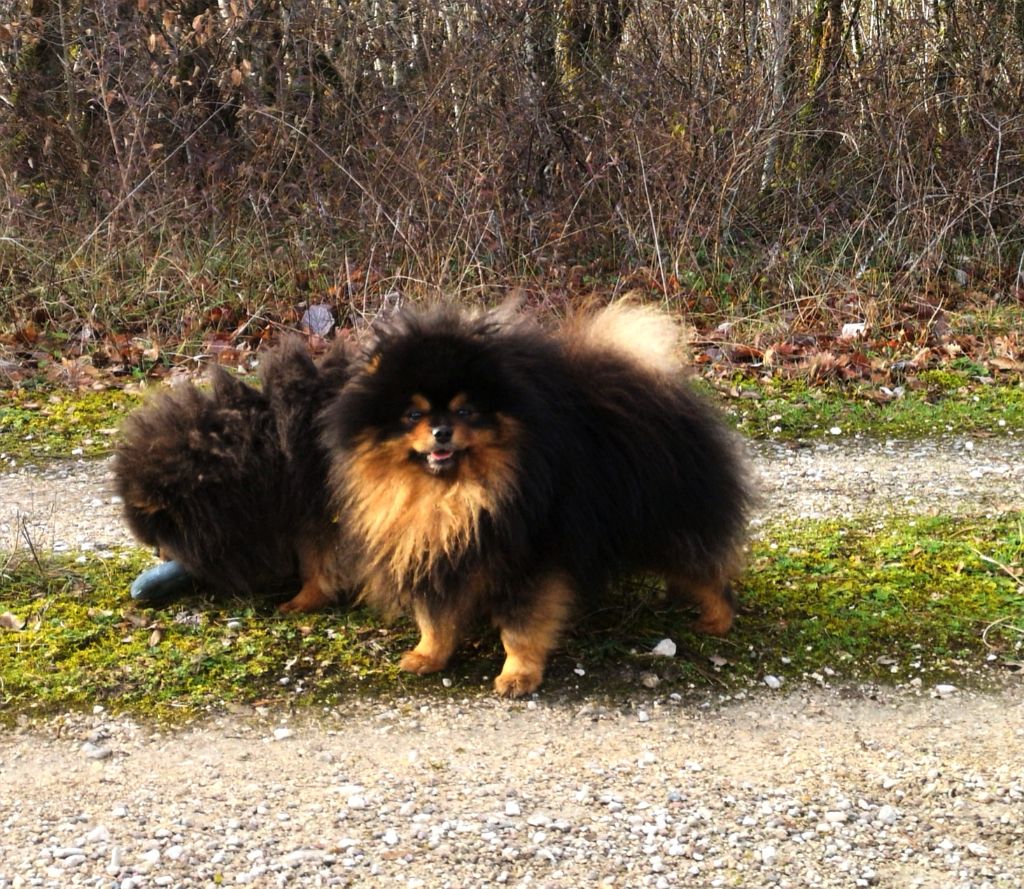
[
  {"x": 921, "y": 601},
  {"x": 790, "y": 409},
  {"x": 47, "y": 423}
]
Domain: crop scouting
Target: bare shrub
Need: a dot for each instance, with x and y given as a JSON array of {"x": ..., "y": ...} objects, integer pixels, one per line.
[{"x": 463, "y": 144}]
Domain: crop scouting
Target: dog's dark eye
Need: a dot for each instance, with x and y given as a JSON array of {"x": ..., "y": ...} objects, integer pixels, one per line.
[
  {"x": 465, "y": 411},
  {"x": 414, "y": 416}
]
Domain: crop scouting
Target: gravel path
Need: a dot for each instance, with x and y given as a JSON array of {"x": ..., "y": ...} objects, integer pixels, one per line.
[
  {"x": 832, "y": 787},
  {"x": 812, "y": 789},
  {"x": 68, "y": 505}
]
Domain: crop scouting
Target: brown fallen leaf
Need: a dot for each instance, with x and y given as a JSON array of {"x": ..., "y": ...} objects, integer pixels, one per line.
[{"x": 9, "y": 621}]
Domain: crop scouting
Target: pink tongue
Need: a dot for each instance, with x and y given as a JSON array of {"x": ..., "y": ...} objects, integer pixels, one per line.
[{"x": 440, "y": 455}]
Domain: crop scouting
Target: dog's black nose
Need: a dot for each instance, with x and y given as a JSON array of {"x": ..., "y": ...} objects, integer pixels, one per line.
[{"x": 442, "y": 434}]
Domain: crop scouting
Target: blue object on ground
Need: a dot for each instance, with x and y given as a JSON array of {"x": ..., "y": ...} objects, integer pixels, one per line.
[{"x": 168, "y": 580}]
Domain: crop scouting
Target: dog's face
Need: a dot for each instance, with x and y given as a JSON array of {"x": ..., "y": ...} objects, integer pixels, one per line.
[
  {"x": 436, "y": 403},
  {"x": 441, "y": 434}
]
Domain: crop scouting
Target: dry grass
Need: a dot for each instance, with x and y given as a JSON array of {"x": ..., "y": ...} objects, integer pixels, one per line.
[{"x": 724, "y": 160}]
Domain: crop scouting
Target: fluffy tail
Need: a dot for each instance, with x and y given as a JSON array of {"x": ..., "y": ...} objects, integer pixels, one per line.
[{"x": 646, "y": 336}]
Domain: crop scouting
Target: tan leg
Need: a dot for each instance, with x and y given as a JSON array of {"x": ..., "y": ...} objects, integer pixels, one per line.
[
  {"x": 529, "y": 643},
  {"x": 439, "y": 634},
  {"x": 715, "y": 600},
  {"x": 312, "y": 597}
]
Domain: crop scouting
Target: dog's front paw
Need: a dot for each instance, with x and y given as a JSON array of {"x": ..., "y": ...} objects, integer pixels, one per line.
[
  {"x": 716, "y": 618},
  {"x": 310, "y": 598},
  {"x": 418, "y": 662},
  {"x": 516, "y": 683}
]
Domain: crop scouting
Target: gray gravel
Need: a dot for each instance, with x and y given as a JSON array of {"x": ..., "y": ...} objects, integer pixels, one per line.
[
  {"x": 69, "y": 505},
  {"x": 829, "y": 787},
  {"x": 817, "y": 788}
]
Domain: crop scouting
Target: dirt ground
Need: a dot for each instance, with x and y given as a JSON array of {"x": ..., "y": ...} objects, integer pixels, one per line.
[{"x": 846, "y": 786}]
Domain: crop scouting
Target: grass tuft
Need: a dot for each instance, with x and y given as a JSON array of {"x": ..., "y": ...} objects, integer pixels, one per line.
[{"x": 904, "y": 600}]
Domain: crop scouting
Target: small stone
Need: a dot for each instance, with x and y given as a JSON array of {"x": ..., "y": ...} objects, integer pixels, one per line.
[
  {"x": 282, "y": 734},
  {"x": 390, "y": 837},
  {"x": 98, "y": 834},
  {"x": 768, "y": 855},
  {"x": 299, "y": 856},
  {"x": 665, "y": 648},
  {"x": 512, "y": 807},
  {"x": 95, "y": 751},
  {"x": 773, "y": 682},
  {"x": 650, "y": 680},
  {"x": 887, "y": 814},
  {"x": 945, "y": 691},
  {"x": 643, "y": 716}
]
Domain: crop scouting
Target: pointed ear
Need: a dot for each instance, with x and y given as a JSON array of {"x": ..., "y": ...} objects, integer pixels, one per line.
[{"x": 367, "y": 351}]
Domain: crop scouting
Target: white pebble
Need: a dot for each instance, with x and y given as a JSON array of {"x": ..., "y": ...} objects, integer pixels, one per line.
[
  {"x": 665, "y": 648},
  {"x": 93, "y": 751},
  {"x": 282, "y": 734},
  {"x": 773, "y": 682},
  {"x": 99, "y": 834},
  {"x": 512, "y": 807},
  {"x": 887, "y": 814},
  {"x": 298, "y": 856}
]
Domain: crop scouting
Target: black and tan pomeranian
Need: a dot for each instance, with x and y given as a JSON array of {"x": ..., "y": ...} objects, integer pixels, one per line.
[
  {"x": 487, "y": 467},
  {"x": 231, "y": 483}
]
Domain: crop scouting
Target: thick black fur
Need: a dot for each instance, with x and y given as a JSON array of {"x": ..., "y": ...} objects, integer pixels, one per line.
[
  {"x": 231, "y": 482},
  {"x": 621, "y": 468}
]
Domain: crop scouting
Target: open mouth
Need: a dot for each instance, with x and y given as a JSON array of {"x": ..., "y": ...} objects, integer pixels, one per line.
[{"x": 441, "y": 460}]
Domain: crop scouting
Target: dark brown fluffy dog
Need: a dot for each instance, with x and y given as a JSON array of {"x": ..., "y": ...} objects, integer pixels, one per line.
[
  {"x": 231, "y": 482},
  {"x": 487, "y": 467}
]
